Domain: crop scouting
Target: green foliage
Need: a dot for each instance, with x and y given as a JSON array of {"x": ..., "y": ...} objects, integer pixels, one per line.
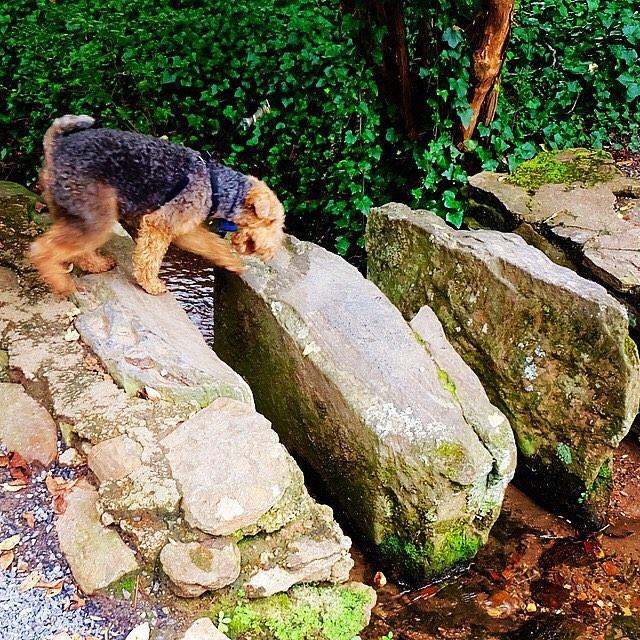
[
  {"x": 328, "y": 144},
  {"x": 194, "y": 71}
]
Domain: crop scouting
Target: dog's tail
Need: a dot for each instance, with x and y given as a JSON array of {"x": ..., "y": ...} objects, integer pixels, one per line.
[{"x": 65, "y": 124}]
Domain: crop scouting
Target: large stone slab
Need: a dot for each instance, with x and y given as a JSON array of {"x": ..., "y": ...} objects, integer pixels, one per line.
[
  {"x": 353, "y": 392},
  {"x": 149, "y": 341},
  {"x": 96, "y": 554},
  {"x": 26, "y": 426},
  {"x": 580, "y": 201},
  {"x": 551, "y": 348}
]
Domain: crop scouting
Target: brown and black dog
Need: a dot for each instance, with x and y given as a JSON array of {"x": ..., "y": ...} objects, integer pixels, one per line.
[{"x": 93, "y": 177}]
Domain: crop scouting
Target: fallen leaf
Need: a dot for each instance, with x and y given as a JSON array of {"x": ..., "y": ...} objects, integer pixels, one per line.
[
  {"x": 59, "y": 504},
  {"x": 58, "y": 486},
  {"x": 10, "y": 543},
  {"x": 52, "y": 588},
  {"x": 610, "y": 568},
  {"x": 14, "y": 486},
  {"x": 76, "y": 602},
  {"x": 18, "y": 467},
  {"x": 30, "y": 581},
  {"x": 141, "y": 632},
  {"x": 4, "y": 461},
  {"x": 6, "y": 559},
  {"x": 22, "y": 567},
  {"x": 30, "y": 519}
]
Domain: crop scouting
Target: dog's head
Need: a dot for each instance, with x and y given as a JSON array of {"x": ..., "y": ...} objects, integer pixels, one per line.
[{"x": 261, "y": 223}]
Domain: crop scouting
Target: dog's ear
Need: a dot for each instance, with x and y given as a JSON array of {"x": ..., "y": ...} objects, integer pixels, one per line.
[{"x": 259, "y": 199}]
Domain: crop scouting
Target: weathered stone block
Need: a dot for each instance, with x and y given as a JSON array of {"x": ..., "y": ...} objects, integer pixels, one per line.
[
  {"x": 26, "y": 426},
  {"x": 353, "y": 392},
  {"x": 551, "y": 348},
  {"x": 148, "y": 341}
]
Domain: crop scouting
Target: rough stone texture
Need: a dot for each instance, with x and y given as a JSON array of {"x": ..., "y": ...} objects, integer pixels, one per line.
[
  {"x": 196, "y": 567},
  {"x": 148, "y": 341},
  {"x": 25, "y": 426},
  {"x": 582, "y": 203},
  {"x": 351, "y": 390},
  {"x": 203, "y": 629},
  {"x": 310, "y": 549},
  {"x": 115, "y": 458},
  {"x": 122, "y": 434},
  {"x": 229, "y": 465},
  {"x": 551, "y": 348},
  {"x": 96, "y": 555}
]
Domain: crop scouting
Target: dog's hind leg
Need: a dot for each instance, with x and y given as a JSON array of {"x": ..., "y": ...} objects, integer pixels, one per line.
[
  {"x": 73, "y": 236},
  {"x": 210, "y": 246},
  {"x": 151, "y": 244}
]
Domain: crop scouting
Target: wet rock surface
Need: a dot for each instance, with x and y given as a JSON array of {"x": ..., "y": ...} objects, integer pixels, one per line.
[
  {"x": 353, "y": 392},
  {"x": 551, "y": 348},
  {"x": 581, "y": 202}
]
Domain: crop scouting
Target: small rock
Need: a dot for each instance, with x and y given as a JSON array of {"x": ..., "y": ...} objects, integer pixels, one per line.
[
  {"x": 195, "y": 567},
  {"x": 25, "y": 426},
  {"x": 70, "y": 458},
  {"x": 97, "y": 556},
  {"x": 141, "y": 632},
  {"x": 204, "y": 629},
  {"x": 115, "y": 458}
]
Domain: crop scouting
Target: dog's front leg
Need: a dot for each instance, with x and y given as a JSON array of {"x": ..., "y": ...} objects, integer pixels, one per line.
[
  {"x": 210, "y": 246},
  {"x": 151, "y": 244}
]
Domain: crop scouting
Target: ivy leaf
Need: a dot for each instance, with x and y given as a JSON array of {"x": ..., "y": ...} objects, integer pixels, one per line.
[
  {"x": 342, "y": 245},
  {"x": 453, "y": 36}
]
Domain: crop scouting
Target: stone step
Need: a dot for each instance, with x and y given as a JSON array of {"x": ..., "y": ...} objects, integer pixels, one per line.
[
  {"x": 579, "y": 200},
  {"x": 354, "y": 393},
  {"x": 551, "y": 348}
]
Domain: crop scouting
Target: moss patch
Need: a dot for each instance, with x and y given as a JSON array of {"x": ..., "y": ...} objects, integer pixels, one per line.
[
  {"x": 447, "y": 382},
  {"x": 563, "y": 167},
  {"x": 201, "y": 557},
  {"x": 329, "y": 613},
  {"x": 125, "y": 584}
]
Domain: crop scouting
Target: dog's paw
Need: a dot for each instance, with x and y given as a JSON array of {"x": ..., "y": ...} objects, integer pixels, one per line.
[
  {"x": 154, "y": 287},
  {"x": 96, "y": 263}
]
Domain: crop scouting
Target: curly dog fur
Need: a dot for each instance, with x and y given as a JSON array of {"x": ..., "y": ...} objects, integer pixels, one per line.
[{"x": 93, "y": 177}]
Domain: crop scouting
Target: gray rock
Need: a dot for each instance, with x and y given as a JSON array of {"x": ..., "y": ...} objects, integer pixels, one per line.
[
  {"x": 551, "y": 348},
  {"x": 573, "y": 198},
  {"x": 310, "y": 549},
  {"x": 351, "y": 390},
  {"x": 115, "y": 458},
  {"x": 196, "y": 567},
  {"x": 148, "y": 341},
  {"x": 204, "y": 629},
  {"x": 25, "y": 426},
  {"x": 96, "y": 554},
  {"x": 229, "y": 465}
]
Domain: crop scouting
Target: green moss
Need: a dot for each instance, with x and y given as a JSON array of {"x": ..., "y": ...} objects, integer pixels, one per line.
[
  {"x": 528, "y": 446},
  {"x": 125, "y": 584},
  {"x": 630, "y": 348},
  {"x": 563, "y": 167},
  {"x": 413, "y": 558},
  {"x": 201, "y": 557},
  {"x": 447, "y": 382},
  {"x": 456, "y": 546},
  {"x": 305, "y": 613}
]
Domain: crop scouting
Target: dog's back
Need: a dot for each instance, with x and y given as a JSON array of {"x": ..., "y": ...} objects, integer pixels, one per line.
[{"x": 146, "y": 172}]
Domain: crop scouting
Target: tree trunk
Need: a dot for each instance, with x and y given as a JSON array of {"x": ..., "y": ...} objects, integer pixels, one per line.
[{"x": 490, "y": 34}]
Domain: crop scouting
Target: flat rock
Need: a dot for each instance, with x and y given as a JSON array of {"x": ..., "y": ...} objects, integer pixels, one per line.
[
  {"x": 96, "y": 554},
  {"x": 229, "y": 465},
  {"x": 115, "y": 458},
  {"x": 203, "y": 629},
  {"x": 581, "y": 202},
  {"x": 196, "y": 567},
  {"x": 148, "y": 341},
  {"x": 310, "y": 549},
  {"x": 352, "y": 391},
  {"x": 25, "y": 426},
  {"x": 551, "y": 348}
]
